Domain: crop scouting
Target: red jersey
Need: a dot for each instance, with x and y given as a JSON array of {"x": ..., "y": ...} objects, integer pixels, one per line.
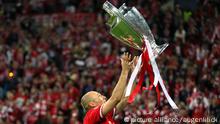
[{"x": 94, "y": 116}]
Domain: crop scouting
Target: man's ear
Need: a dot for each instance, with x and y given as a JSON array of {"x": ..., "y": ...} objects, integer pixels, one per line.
[{"x": 92, "y": 104}]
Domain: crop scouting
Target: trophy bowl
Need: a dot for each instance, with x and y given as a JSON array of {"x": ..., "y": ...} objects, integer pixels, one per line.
[{"x": 128, "y": 26}]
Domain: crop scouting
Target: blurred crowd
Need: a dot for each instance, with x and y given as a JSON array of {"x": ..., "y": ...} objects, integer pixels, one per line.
[{"x": 53, "y": 52}]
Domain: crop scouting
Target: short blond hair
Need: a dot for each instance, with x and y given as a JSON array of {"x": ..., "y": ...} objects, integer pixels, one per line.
[{"x": 86, "y": 99}]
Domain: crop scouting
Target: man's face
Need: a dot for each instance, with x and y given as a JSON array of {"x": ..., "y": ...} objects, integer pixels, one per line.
[
  {"x": 99, "y": 99},
  {"x": 92, "y": 99}
]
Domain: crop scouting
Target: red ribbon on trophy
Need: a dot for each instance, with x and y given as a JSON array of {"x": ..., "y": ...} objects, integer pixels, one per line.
[{"x": 147, "y": 60}]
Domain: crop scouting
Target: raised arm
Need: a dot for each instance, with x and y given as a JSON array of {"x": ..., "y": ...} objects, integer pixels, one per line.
[
  {"x": 120, "y": 86},
  {"x": 124, "y": 100}
]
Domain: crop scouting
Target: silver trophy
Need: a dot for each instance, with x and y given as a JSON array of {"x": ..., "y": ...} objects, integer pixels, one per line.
[{"x": 128, "y": 26}]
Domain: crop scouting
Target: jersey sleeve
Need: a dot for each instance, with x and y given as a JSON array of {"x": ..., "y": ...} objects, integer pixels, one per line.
[
  {"x": 111, "y": 113},
  {"x": 95, "y": 115}
]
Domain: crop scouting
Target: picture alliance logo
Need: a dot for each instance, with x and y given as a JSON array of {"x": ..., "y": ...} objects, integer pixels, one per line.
[{"x": 172, "y": 120}]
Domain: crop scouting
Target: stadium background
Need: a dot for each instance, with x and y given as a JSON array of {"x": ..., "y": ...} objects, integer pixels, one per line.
[{"x": 57, "y": 50}]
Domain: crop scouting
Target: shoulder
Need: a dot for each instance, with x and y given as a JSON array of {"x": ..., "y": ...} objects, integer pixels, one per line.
[{"x": 93, "y": 115}]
